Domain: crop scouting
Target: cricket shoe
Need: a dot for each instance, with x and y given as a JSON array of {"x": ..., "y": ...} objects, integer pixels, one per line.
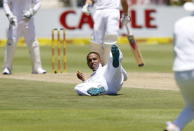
[
  {"x": 171, "y": 127},
  {"x": 39, "y": 71},
  {"x": 96, "y": 91},
  {"x": 115, "y": 54},
  {"x": 6, "y": 71}
]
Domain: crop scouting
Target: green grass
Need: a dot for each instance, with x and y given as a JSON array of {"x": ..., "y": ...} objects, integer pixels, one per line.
[
  {"x": 41, "y": 106},
  {"x": 158, "y": 58}
]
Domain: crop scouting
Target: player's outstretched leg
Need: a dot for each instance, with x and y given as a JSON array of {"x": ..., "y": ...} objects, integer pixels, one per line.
[{"x": 115, "y": 54}]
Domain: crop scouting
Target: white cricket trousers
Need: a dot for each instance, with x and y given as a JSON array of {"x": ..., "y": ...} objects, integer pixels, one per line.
[
  {"x": 106, "y": 26},
  {"x": 185, "y": 81},
  {"x": 105, "y": 32},
  {"x": 24, "y": 29}
]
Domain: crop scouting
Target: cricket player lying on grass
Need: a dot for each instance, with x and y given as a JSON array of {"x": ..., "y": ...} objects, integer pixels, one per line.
[{"x": 106, "y": 79}]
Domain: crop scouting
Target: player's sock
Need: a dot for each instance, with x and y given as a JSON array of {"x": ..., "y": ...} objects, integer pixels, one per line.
[
  {"x": 96, "y": 91},
  {"x": 115, "y": 55}
]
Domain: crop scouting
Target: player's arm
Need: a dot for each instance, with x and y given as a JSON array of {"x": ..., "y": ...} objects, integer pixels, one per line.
[
  {"x": 87, "y": 6},
  {"x": 90, "y": 2},
  {"x": 37, "y": 5},
  {"x": 6, "y": 6},
  {"x": 80, "y": 76},
  {"x": 125, "y": 19},
  {"x": 125, "y": 7},
  {"x": 32, "y": 11}
]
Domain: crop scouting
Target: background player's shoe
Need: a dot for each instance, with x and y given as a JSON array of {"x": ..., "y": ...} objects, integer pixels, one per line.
[
  {"x": 115, "y": 54},
  {"x": 6, "y": 71},
  {"x": 96, "y": 91},
  {"x": 171, "y": 127},
  {"x": 39, "y": 71}
]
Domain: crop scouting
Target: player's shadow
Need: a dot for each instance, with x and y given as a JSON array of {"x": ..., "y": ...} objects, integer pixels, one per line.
[{"x": 115, "y": 94}]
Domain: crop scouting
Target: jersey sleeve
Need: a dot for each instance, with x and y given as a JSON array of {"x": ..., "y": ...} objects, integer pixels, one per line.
[
  {"x": 6, "y": 7},
  {"x": 37, "y": 5}
]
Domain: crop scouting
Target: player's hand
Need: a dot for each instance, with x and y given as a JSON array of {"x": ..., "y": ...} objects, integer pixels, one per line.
[
  {"x": 80, "y": 76},
  {"x": 87, "y": 8},
  {"x": 28, "y": 14},
  {"x": 12, "y": 20},
  {"x": 125, "y": 19}
]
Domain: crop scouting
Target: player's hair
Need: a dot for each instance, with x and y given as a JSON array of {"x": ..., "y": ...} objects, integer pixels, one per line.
[{"x": 93, "y": 52}]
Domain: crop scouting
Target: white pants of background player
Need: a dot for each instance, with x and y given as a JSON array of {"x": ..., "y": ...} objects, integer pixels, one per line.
[
  {"x": 185, "y": 81},
  {"x": 106, "y": 76},
  {"x": 23, "y": 29},
  {"x": 105, "y": 32}
]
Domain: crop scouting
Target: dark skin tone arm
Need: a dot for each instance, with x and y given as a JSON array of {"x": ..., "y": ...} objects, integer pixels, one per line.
[
  {"x": 80, "y": 76},
  {"x": 124, "y": 6}
]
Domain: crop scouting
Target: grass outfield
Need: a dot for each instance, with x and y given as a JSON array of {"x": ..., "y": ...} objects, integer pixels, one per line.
[
  {"x": 42, "y": 106},
  {"x": 158, "y": 58}
]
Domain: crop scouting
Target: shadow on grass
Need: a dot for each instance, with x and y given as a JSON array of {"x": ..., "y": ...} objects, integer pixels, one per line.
[{"x": 114, "y": 94}]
